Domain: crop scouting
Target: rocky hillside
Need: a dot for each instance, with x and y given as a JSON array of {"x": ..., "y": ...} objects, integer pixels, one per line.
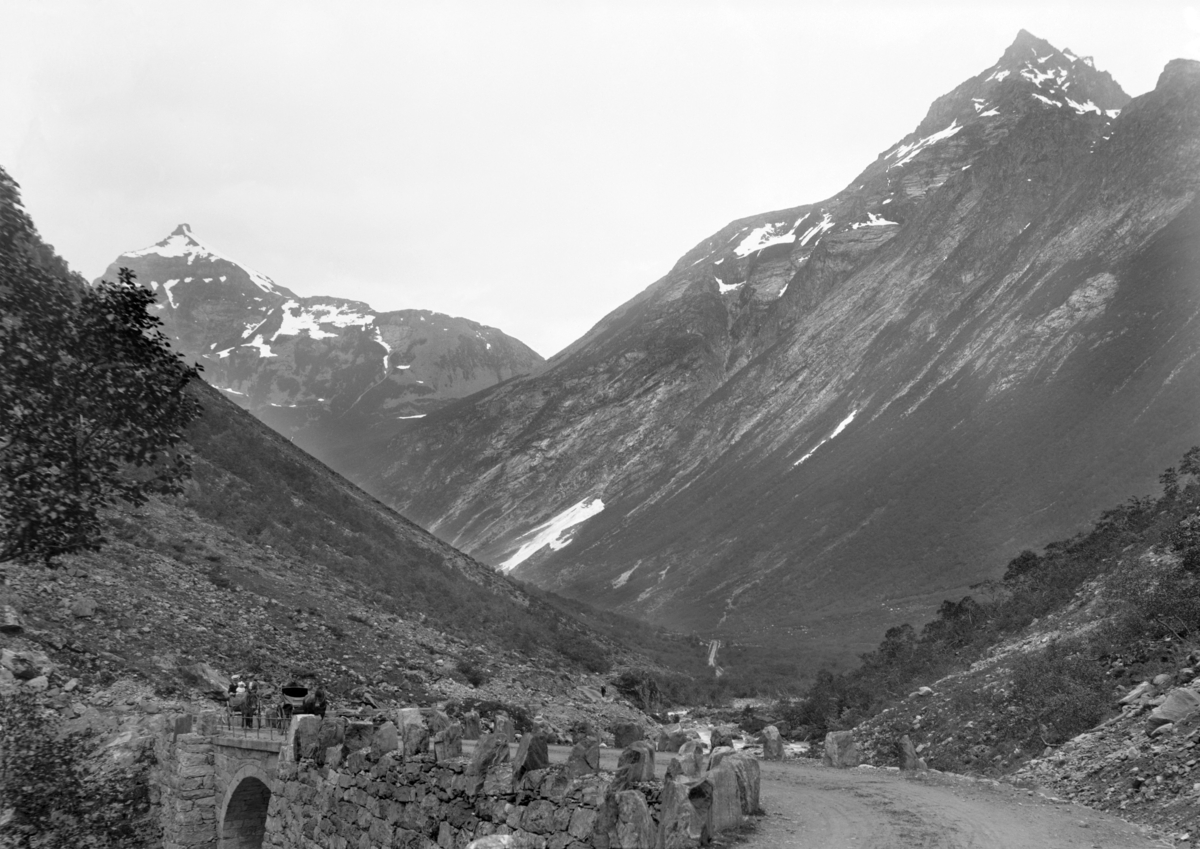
[
  {"x": 826, "y": 418},
  {"x": 326, "y": 372},
  {"x": 1075, "y": 676},
  {"x": 272, "y": 565}
]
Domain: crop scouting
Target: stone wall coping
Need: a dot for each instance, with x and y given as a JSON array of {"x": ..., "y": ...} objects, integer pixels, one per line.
[{"x": 258, "y": 744}]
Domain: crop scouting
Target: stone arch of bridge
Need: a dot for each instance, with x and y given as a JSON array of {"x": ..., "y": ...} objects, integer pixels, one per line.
[{"x": 243, "y": 820}]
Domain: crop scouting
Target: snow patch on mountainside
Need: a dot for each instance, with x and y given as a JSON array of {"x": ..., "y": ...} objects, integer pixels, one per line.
[
  {"x": 724, "y": 287},
  {"x": 387, "y": 349},
  {"x": 298, "y": 319},
  {"x": 842, "y": 425},
  {"x": 820, "y": 227},
  {"x": 551, "y": 533},
  {"x": 905, "y": 152},
  {"x": 873, "y": 220},
  {"x": 264, "y": 350},
  {"x": 623, "y": 578},
  {"x": 767, "y": 235},
  {"x": 167, "y": 287}
]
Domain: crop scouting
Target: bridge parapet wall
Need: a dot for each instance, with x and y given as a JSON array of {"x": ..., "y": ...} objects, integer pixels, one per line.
[
  {"x": 394, "y": 801},
  {"x": 364, "y": 790}
]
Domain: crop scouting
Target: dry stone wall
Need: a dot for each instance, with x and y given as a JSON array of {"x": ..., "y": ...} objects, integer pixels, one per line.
[{"x": 345, "y": 786}]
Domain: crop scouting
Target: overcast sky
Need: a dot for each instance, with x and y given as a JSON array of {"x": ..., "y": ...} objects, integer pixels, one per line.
[{"x": 529, "y": 165}]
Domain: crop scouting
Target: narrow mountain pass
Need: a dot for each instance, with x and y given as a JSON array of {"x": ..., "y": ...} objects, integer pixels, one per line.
[{"x": 813, "y": 807}]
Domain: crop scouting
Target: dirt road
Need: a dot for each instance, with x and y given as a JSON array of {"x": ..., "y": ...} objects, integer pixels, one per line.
[{"x": 812, "y": 807}]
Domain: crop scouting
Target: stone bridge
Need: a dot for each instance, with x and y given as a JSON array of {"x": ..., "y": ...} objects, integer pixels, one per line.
[
  {"x": 215, "y": 778},
  {"x": 402, "y": 783}
]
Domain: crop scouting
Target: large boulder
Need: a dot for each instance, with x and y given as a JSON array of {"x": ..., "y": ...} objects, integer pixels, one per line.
[
  {"x": 504, "y": 727},
  {"x": 1179, "y": 705},
  {"x": 584, "y": 758},
  {"x": 332, "y": 732},
  {"x": 386, "y": 739},
  {"x": 840, "y": 750},
  {"x": 306, "y": 741},
  {"x": 624, "y": 821},
  {"x": 635, "y": 766},
  {"x": 749, "y": 779},
  {"x": 491, "y": 751},
  {"x": 907, "y": 754},
  {"x": 691, "y": 758},
  {"x": 721, "y": 736},
  {"x": 412, "y": 731},
  {"x": 625, "y": 733},
  {"x": 447, "y": 743},
  {"x": 533, "y": 753},
  {"x": 680, "y": 825},
  {"x": 84, "y": 607},
  {"x": 772, "y": 744},
  {"x": 470, "y": 725},
  {"x": 726, "y": 809}
]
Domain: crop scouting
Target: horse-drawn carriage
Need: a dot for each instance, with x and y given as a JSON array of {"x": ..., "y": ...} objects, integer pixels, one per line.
[{"x": 298, "y": 699}]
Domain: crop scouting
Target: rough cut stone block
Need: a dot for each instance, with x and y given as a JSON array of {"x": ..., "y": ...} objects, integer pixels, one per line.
[
  {"x": 749, "y": 780},
  {"x": 532, "y": 754},
  {"x": 726, "y": 810},
  {"x": 386, "y": 739},
  {"x": 840, "y": 750},
  {"x": 680, "y": 825},
  {"x": 447, "y": 743},
  {"x": 772, "y": 744},
  {"x": 504, "y": 727},
  {"x": 691, "y": 758},
  {"x": 415, "y": 739},
  {"x": 635, "y": 766},
  {"x": 624, "y": 822},
  {"x": 907, "y": 753},
  {"x": 584, "y": 758},
  {"x": 1178, "y": 705}
]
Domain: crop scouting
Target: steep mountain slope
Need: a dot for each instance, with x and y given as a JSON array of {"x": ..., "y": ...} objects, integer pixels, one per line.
[
  {"x": 825, "y": 418},
  {"x": 269, "y": 562},
  {"x": 322, "y": 371}
]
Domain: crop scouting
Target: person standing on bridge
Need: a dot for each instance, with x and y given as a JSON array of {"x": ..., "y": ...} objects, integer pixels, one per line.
[{"x": 250, "y": 705}]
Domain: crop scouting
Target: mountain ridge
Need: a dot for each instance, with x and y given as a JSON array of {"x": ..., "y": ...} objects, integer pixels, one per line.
[
  {"x": 327, "y": 372},
  {"x": 970, "y": 261}
]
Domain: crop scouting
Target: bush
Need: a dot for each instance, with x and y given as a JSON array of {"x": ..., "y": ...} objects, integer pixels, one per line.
[
  {"x": 52, "y": 792},
  {"x": 1060, "y": 692},
  {"x": 474, "y": 675}
]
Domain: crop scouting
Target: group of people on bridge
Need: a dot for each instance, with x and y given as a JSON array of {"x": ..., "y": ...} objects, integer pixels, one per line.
[{"x": 246, "y": 708}]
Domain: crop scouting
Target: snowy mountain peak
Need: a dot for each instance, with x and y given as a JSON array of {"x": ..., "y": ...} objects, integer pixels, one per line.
[
  {"x": 1059, "y": 78},
  {"x": 183, "y": 244}
]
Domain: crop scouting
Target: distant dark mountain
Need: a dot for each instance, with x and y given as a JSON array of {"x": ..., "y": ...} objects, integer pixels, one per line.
[
  {"x": 826, "y": 418},
  {"x": 325, "y": 372}
]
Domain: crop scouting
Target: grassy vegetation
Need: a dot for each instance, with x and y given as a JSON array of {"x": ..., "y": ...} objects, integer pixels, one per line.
[{"x": 1144, "y": 560}]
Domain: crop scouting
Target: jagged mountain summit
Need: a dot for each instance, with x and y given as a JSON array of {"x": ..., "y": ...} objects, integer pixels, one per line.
[
  {"x": 824, "y": 419},
  {"x": 323, "y": 371}
]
